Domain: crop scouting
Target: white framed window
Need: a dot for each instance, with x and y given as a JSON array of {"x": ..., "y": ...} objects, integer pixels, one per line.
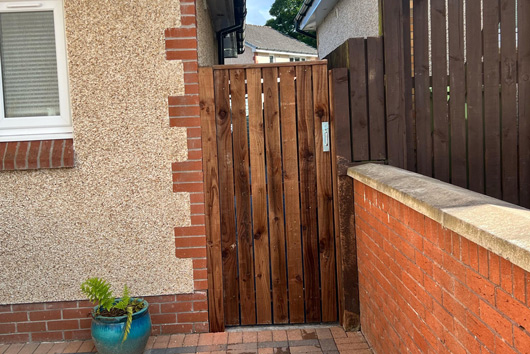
[
  {"x": 271, "y": 59},
  {"x": 34, "y": 95}
]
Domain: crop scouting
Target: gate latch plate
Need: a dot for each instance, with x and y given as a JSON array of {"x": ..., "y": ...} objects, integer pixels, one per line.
[{"x": 325, "y": 136}]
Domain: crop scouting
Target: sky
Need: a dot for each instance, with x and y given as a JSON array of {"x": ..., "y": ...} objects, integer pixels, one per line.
[{"x": 258, "y": 11}]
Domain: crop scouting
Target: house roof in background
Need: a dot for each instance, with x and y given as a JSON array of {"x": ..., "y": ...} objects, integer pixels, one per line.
[{"x": 267, "y": 38}]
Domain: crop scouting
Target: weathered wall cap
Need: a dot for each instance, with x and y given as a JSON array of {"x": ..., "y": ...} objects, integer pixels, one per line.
[{"x": 498, "y": 226}]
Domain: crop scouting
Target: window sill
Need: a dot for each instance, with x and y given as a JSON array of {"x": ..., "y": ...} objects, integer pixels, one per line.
[
  {"x": 40, "y": 134},
  {"x": 37, "y": 154}
]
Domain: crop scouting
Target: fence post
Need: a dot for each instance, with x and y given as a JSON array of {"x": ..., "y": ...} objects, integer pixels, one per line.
[{"x": 348, "y": 285}]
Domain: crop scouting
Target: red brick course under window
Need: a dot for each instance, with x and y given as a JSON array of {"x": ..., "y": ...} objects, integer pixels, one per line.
[
  {"x": 58, "y": 321},
  {"x": 426, "y": 289},
  {"x": 32, "y": 155}
]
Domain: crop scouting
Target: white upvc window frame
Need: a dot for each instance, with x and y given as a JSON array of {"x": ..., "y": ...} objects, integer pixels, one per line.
[{"x": 47, "y": 127}]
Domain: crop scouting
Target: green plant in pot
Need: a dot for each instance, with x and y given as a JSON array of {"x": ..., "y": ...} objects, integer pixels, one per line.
[{"x": 119, "y": 325}]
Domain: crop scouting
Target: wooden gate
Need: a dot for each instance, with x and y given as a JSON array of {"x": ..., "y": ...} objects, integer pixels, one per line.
[{"x": 268, "y": 194}]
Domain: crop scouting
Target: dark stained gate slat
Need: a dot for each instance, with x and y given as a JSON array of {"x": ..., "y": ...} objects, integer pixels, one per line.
[
  {"x": 275, "y": 192},
  {"x": 457, "y": 114},
  {"x": 324, "y": 196},
  {"x": 308, "y": 200},
  {"x": 439, "y": 92},
  {"x": 492, "y": 143},
  {"x": 292, "y": 195},
  {"x": 474, "y": 96},
  {"x": 395, "y": 88},
  {"x": 523, "y": 14},
  {"x": 211, "y": 201},
  {"x": 422, "y": 86},
  {"x": 247, "y": 296},
  {"x": 226, "y": 196},
  {"x": 510, "y": 187},
  {"x": 376, "y": 97},
  {"x": 259, "y": 197},
  {"x": 358, "y": 99}
]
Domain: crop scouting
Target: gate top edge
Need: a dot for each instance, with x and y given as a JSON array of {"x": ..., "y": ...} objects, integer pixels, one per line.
[{"x": 269, "y": 65}]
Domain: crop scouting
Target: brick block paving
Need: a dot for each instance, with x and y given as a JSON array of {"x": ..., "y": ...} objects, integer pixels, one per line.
[{"x": 329, "y": 340}]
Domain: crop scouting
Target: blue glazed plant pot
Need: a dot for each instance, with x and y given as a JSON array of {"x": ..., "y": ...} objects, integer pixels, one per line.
[{"x": 107, "y": 332}]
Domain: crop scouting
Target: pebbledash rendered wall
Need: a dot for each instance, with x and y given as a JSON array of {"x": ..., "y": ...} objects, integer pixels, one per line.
[
  {"x": 441, "y": 269},
  {"x": 129, "y": 207},
  {"x": 348, "y": 19}
]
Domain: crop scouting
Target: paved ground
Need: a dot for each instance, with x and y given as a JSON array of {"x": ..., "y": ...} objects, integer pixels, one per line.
[{"x": 305, "y": 340}]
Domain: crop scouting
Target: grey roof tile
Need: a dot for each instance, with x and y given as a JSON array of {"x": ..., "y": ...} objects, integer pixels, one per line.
[{"x": 267, "y": 38}]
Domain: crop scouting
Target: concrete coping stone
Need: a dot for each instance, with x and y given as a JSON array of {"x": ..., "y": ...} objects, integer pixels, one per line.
[{"x": 500, "y": 227}]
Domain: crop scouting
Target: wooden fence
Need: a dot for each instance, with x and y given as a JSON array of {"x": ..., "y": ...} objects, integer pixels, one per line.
[{"x": 455, "y": 100}]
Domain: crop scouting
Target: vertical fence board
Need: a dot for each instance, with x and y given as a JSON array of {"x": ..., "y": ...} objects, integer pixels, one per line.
[
  {"x": 524, "y": 101},
  {"x": 245, "y": 252},
  {"x": 439, "y": 91},
  {"x": 457, "y": 93},
  {"x": 422, "y": 91},
  {"x": 376, "y": 97},
  {"x": 226, "y": 196},
  {"x": 410, "y": 135},
  {"x": 510, "y": 188},
  {"x": 338, "y": 58},
  {"x": 211, "y": 201},
  {"x": 358, "y": 99},
  {"x": 347, "y": 277},
  {"x": 492, "y": 143},
  {"x": 474, "y": 96},
  {"x": 292, "y": 195},
  {"x": 308, "y": 200},
  {"x": 275, "y": 193},
  {"x": 395, "y": 87},
  {"x": 259, "y": 197},
  {"x": 324, "y": 196}
]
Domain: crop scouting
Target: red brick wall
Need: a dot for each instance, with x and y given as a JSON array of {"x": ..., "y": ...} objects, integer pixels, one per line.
[
  {"x": 31, "y": 155},
  {"x": 426, "y": 289},
  {"x": 57, "y": 321}
]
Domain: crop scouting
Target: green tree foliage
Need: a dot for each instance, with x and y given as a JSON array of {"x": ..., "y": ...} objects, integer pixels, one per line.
[{"x": 284, "y": 13}]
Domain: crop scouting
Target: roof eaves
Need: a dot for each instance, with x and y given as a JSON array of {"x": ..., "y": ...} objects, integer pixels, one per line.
[{"x": 313, "y": 12}]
